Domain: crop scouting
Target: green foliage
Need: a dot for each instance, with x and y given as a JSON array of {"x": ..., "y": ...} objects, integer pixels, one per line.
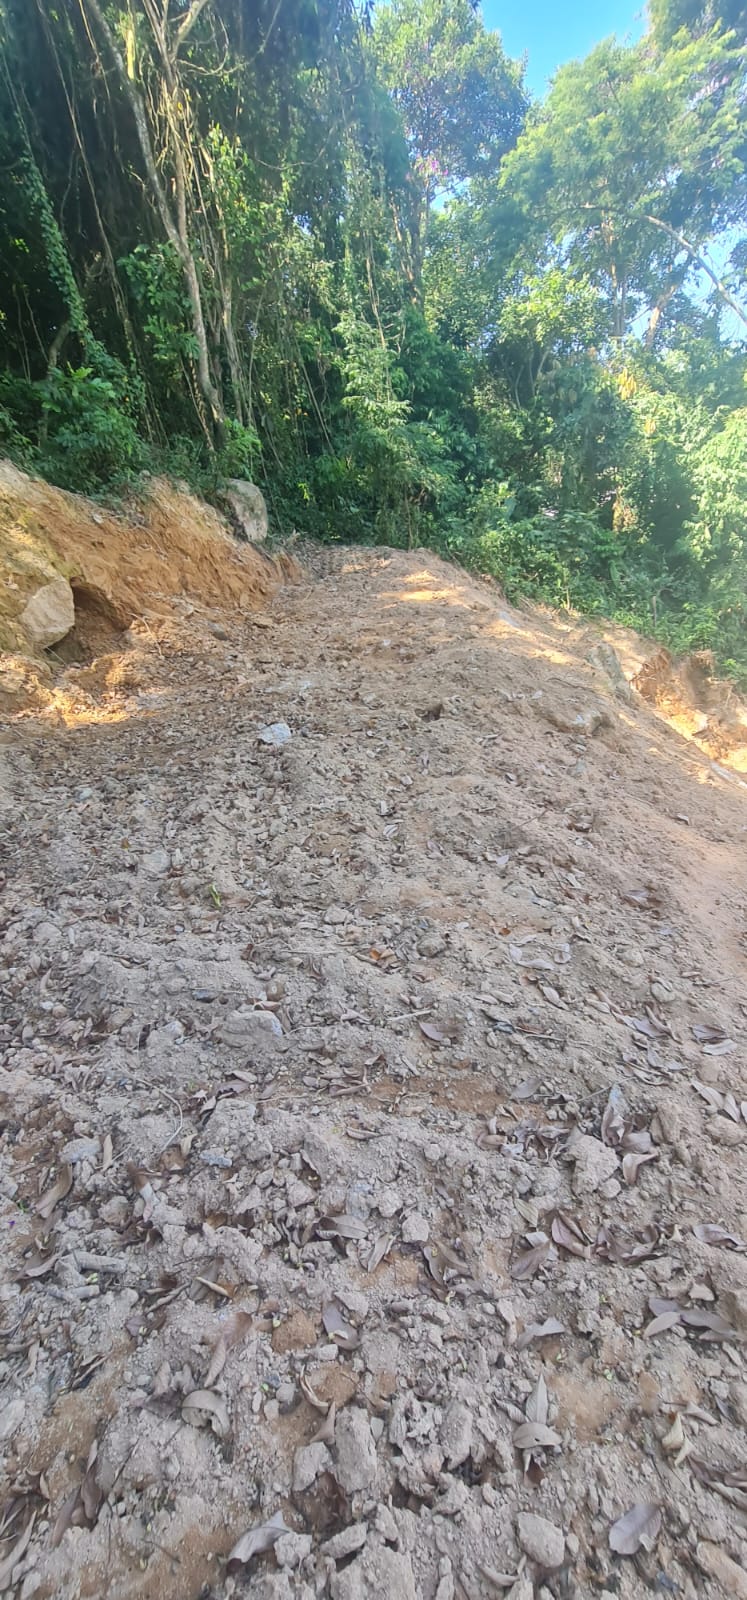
[
  {"x": 89, "y": 440},
  {"x": 360, "y": 269}
]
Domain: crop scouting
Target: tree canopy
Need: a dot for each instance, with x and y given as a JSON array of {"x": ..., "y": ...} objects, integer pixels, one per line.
[{"x": 336, "y": 248}]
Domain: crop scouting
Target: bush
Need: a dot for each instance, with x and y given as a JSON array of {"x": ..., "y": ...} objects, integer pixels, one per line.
[{"x": 88, "y": 440}]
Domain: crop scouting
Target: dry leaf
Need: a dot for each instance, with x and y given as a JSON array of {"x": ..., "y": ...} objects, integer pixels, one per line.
[
  {"x": 379, "y": 1249},
  {"x": 536, "y": 1436},
  {"x": 107, "y": 1155},
  {"x": 525, "y": 1265},
  {"x": 613, "y": 1118},
  {"x": 710, "y": 1323},
  {"x": 713, "y": 1097},
  {"x": 675, "y": 1438},
  {"x": 340, "y": 1331},
  {"x": 45, "y": 1206},
  {"x": 708, "y": 1033},
  {"x": 539, "y": 1330},
  {"x": 661, "y": 1324},
  {"x": 638, "y": 1530},
  {"x": 731, "y": 1108},
  {"x": 325, "y": 1433},
  {"x": 14, "y": 1555},
  {"x": 430, "y": 1031},
  {"x": 711, "y": 1233},
  {"x": 569, "y": 1234},
  {"x": 537, "y": 1405},
  {"x": 344, "y": 1227},
  {"x": 235, "y": 1329},
  {"x": 206, "y": 1405},
  {"x": 257, "y": 1540},
  {"x": 631, "y": 1163}
]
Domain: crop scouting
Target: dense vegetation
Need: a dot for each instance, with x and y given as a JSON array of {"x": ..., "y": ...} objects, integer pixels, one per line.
[{"x": 337, "y": 249}]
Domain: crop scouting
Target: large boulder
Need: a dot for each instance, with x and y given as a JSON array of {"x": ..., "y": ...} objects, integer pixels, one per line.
[
  {"x": 246, "y": 504},
  {"x": 49, "y": 614}
]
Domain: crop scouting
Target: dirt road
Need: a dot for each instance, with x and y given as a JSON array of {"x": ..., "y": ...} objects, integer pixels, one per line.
[{"x": 373, "y": 1128}]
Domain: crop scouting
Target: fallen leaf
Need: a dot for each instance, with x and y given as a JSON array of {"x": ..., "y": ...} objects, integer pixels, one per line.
[
  {"x": 708, "y": 1033},
  {"x": 536, "y": 1436},
  {"x": 711, "y": 1233},
  {"x": 710, "y": 1323},
  {"x": 45, "y": 1206},
  {"x": 725, "y": 1047},
  {"x": 13, "y": 1557},
  {"x": 567, "y": 1233},
  {"x": 712, "y": 1097},
  {"x": 107, "y": 1154},
  {"x": 631, "y": 1162},
  {"x": 429, "y": 1031},
  {"x": 344, "y": 1226},
  {"x": 525, "y": 1265},
  {"x": 731, "y": 1108},
  {"x": 206, "y": 1405},
  {"x": 613, "y": 1118},
  {"x": 637, "y": 1530},
  {"x": 539, "y": 1330},
  {"x": 661, "y": 1324},
  {"x": 235, "y": 1329},
  {"x": 674, "y": 1440},
  {"x": 257, "y": 1540},
  {"x": 536, "y": 1407},
  {"x": 379, "y": 1249},
  {"x": 325, "y": 1433},
  {"x": 341, "y": 1332}
]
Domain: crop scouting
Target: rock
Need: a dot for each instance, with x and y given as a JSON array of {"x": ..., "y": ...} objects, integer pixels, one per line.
[
  {"x": 81, "y": 1150},
  {"x": 156, "y": 863},
  {"x": 713, "y": 1560},
  {"x": 293, "y": 1548},
  {"x": 246, "y": 1029},
  {"x": 356, "y": 1451},
  {"x": 11, "y": 1418},
  {"x": 246, "y": 504},
  {"x": 49, "y": 614},
  {"x": 389, "y": 1202},
  {"x": 308, "y": 1463},
  {"x": 456, "y": 1434},
  {"x": 431, "y": 944},
  {"x": 275, "y": 734},
  {"x": 726, "y": 1132},
  {"x": 344, "y": 1543},
  {"x": 738, "y": 1397},
  {"x": 378, "y": 1574},
  {"x": 386, "y": 1525},
  {"x": 25, "y": 684},
  {"x": 335, "y": 916},
  {"x": 595, "y": 1163},
  {"x": 608, "y": 661},
  {"x": 540, "y": 1540},
  {"x": 415, "y": 1229},
  {"x": 46, "y": 933}
]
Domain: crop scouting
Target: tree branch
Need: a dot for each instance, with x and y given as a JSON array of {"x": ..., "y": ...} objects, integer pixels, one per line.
[
  {"x": 700, "y": 262},
  {"x": 186, "y": 25}
]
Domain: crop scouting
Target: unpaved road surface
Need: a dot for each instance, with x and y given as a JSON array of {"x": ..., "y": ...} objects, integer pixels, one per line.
[{"x": 372, "y": 1128}]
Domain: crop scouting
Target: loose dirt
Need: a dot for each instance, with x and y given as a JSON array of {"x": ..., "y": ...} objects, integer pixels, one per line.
[{"x": 373, "y": 1111}]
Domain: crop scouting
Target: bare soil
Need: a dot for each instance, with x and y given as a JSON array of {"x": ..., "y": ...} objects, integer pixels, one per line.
[{"x": 366, "y": 1053}]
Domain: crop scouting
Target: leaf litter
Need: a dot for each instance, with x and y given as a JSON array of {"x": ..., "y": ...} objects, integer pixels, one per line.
[{"x": 256, "y": 1298}]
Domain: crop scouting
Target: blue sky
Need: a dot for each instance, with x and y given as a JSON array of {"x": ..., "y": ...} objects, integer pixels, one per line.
[{"x": 551, "y": 31}]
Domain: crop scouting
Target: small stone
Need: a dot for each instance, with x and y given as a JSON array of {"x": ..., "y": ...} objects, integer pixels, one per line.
[
  {"x": 156, "y": 863},
  {"x": 308, "y": 1463},
  {"x": 356, "y": 1451},
  {"x": 595, "y": 1163},
  {"x": 415, "y": 1229},
  {"x": 81, "y": 1150},
  {"x": 285, "y": 1395},
  {"x": 292, "y": 1548},
  {"x": 455, "y": 1434},
  {"x": 46, "y": 933},
  {"x": 726, "y": 1132},
  {"x": 334, "y": 916},
  {"x": 431, "y": 945},
  {"x": 376, "y": 1574},
  {"x": 246, "y": 1029},
  {"x": 11, "y": 1418},
  {"x": 540, "y": 1540},
  {"x": 389, "y": 1203},
  {"x": 731, "y": 1578},
  {"x": 738, "y": 1397},
  {"x": 344, "y": 1543},
  {"x": 385, "y": 1524},
  {"x": 275, "y": 734}
]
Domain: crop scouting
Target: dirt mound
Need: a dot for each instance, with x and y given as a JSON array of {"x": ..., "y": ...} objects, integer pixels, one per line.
[
  {"x": 373, "y": 1115},
  {"x": 140, "y": 565}
]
